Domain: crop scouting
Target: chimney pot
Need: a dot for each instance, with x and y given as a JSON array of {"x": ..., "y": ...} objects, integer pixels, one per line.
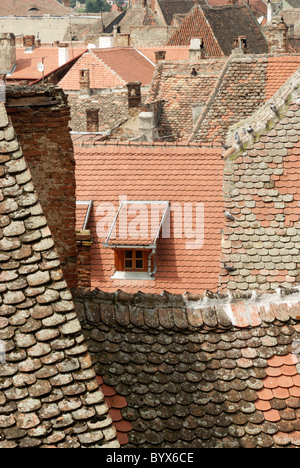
[
  {"x": 29, "y": 42},
  {"x": 63, "y": 54},
  {"x": 134, "y": 94},
  {"x": 7, "y": 53},
  {"x": 196, "y": 50},
  {"x": 92, "y": 120},
  {"x": 160, "y": 55},
  {"x": 84, "y": 82}
]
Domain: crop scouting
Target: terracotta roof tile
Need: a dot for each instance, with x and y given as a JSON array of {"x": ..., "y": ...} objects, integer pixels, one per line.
[
  {"x": 146, "y": 173},
  {"x": 110, "y": 68},
  {"x": 180, "y": 341},
  {"x": 56, "y": 366},
  {"x": 23, "y": 7},
  {"x": 27, "y": 63},
  {"x": 219, "y": 27}
]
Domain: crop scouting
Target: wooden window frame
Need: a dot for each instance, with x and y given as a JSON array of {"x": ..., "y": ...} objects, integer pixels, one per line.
[{"x": 120, "y": 260}]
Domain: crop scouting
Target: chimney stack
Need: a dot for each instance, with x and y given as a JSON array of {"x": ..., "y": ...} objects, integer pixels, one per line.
[
  {"x": 7, "y": 53},
  {"x": 196, "y": 50},
  {"x": 92, "y": 120},
  {"x": 134, "y": 94},
  {"x": 66, "y": 3},
  {"x": 63, "y": 54},
  {"x": 160, "y": 55},
  {"x": 147, "y": 126},
  {"x": 84, "y": 82},
  {"x": 276, "y": 34},
  {"x": 29, "y": 42}
]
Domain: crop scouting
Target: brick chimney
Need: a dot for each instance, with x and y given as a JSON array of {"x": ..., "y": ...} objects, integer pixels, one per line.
[
  {"x": 276, "y": 35},
  {"x": 66, "y": 3},
  {"x": 134, "y": 94},
  {"x": 29, "y": 43},
  {"x": 160, "y": 55},
  {"x": 7, "y": 53},
  {"x": 84, "y": 82},
  {"x": 196, "y": 50},
  {"x": 240, "y": 45},
  {"x": 63, "y": 54},
  {"x": 92, "y": 120}
]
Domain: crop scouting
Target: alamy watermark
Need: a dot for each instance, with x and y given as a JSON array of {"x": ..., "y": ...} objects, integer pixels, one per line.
[
  {"x": 144, "y": 220},
  {"x": 2, "y": 92},
  {"x": 2, "y": 352}
]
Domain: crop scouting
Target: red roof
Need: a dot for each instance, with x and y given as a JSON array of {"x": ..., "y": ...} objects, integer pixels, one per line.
[
  {"x": 172, "y": 53},
  {"x": 110, "y": 68},
  {"x": 189, "y": 177},
  {"x": 32, "y": 8},
  {"x": 115, "y": 404},
  {"x": 27, "y": 62}
]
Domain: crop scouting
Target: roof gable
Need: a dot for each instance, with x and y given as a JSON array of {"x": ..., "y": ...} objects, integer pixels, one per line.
[
  {"x": 110, "y": 68},
  {"x": 219, "y": 27}
]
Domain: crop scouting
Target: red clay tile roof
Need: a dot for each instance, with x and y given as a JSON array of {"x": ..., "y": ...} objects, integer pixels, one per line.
[
  {"x": 177, "y": 174},
  {"x": 172, "y": 53},
  {"x": 49, "y": 375},
  {"x": 268, "y": 198},
  {"x": 246, "y": 84},
  {"x": 110, "y": 68},
  {"x": 23, "y": 7},
  {"x": 180, "y": 91},
  {"x": 219, "y": 27},
  {"x": 200, "y": 371},
  {"x": 115, "y": 404},
  {"x": 171, "y": 7},
  {"x": 27, "y": 62}
]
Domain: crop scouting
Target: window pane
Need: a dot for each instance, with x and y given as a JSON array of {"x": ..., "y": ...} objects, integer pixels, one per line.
[
  {"x": 139, "y": 264},
  {"x": 139, "y": 254},
  {"x": 128, "y": 254},
  {"x": 128, "y": 264}
]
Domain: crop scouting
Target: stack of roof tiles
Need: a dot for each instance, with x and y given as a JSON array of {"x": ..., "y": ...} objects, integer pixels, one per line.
[
  {"x": 49, "y": 395},
  {"x": 200, "y": 372}
]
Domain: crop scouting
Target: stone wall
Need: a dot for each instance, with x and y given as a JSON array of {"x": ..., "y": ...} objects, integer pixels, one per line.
[{"x": 40, "y": 116}]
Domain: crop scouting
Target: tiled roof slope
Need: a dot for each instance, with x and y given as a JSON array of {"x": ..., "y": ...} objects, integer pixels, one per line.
[
  {"x": 26, "y": 68},
  {"x": 23, "y": 7},
  {"x": 49, "y": 395},
  {"x": 113, "y": 110},
  {"x": 219, "y": 27},
  {"x": 141, "y": 172},
  {"x": 200, "y": 372},
  {"x": 170, "y": 7},
  {"x": 247, "y": 82},
  {"x": 172, "y": 53},
  {"x": 110, "y": 68},
  {"x": 196, "y": 25},
  {"x": 262, "y": 191},
  {"x": 180, "y": 90},
  {"x": 137, "y": 16}
]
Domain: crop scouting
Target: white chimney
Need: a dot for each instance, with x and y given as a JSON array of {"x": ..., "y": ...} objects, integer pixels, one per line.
[
  {"x": 7, "y": 53},
  {"x": 269, "y": 12},
  {"x": 147, "y": 126},
  {"x": 106, "y": 42},
  {"x": 196, "y": 50},
  {"x": 63, "y": 54}
]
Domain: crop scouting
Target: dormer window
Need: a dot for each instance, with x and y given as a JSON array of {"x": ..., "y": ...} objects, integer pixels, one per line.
[{"x": 134, "y": 237}]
